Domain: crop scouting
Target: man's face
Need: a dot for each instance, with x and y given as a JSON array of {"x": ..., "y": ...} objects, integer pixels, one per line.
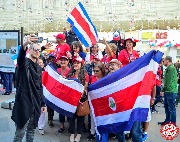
[
  {"x": 57, "y": 40},
  {"x": 166, "y": 62},
  {"x": 113, "y": 67},
  {"x": 72, "y": 31},
  {"x": 35, "y": 51}
]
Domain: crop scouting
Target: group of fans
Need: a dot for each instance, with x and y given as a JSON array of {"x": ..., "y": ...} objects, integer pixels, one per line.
[{"x": 88, "y": 67}]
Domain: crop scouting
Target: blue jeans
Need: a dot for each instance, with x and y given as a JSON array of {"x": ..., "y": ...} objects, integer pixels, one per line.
[
  {"x": 104, "y": 137},
  {"x": 158, "y": 97},
  {"x": 177, "y": 98},
  {"x": 136, "y": 132},
  {"x": 170, "y": 108},
  {"x": 178, "y": 95},
  {"x": 8, "y": 78}
]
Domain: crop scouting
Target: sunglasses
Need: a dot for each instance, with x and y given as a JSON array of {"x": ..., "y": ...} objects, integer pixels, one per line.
[
  {"x": 96, "y": 71},
  {"x": 112, "y": 64},
  {"x": 37, "y": 50}
]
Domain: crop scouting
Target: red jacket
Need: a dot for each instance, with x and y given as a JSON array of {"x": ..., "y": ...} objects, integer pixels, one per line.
[
  {"x": 125, "y": 57},
  {"x": 158, "y": 77}
]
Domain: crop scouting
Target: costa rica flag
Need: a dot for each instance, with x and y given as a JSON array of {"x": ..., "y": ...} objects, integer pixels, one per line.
[
  {"x": 61, "y": 94},
  {"x": 123, "y": 97},
  {"x": 83, "y": 26}
]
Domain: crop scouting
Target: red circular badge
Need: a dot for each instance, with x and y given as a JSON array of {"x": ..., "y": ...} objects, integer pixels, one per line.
[{"x": 169, "y": 131}]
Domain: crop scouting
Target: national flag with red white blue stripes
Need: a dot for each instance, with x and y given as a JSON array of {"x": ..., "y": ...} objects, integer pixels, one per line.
[
  {"x": 61, "y": 94},
  {"x": 83, "y": 26},
  {"x": 123, "y": 97}
]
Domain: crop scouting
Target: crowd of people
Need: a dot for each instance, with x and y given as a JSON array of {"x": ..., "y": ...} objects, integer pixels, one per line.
[{"x": 88, "y": 67}]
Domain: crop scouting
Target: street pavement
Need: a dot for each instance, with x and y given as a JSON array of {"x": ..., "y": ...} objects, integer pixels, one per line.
[{"x": 7, "y": 127}]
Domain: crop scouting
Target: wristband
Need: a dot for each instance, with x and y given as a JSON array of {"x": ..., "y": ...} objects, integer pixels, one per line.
[{"x": 153, "y": 98}]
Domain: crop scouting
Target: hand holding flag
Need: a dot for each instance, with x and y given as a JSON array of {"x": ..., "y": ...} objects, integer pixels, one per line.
[
  {"x": 61, "y": 94},
  {"x": 83, "y": 26},
  {"x": 123, "y": 97}
]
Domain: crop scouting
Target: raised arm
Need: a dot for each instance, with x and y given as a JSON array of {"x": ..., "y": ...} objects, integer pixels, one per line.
[
  {"x": 22, "y": 54},
  {"x": 108, "y": 47},
  {"x": 22, "y": 51}
]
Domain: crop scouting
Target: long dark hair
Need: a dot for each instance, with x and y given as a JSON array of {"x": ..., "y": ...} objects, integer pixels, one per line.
[
  {"x": 76, "y": 44},
  {"x": 81, "y": 75},
  {"x": 101, "y": 67},
  {"x": 93, "y": 46}
]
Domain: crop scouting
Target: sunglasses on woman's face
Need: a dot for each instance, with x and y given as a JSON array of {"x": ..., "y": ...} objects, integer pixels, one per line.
[{"x": 96, "y": 71}]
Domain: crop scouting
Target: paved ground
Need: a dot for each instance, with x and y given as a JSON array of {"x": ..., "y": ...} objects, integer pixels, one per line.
[{"x": 7, "y": 127}]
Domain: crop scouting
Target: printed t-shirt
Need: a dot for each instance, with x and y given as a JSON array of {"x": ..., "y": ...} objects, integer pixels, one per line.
[
  {"x": 61, "y": 50},
  {"x": 125, "y": 57}
]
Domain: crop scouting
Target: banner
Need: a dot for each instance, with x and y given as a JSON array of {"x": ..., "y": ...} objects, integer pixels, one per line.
[{"x": 6, "y": 63}]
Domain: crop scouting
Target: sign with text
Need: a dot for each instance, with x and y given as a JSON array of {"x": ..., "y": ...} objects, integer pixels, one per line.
[
  {"x": 6, "y": 63},
  {"x": 161, "y": 35},
  {"x": 154, "y": 35},
  {"x": 9, "y": 41},
  {"x": 148, "y": 35}
]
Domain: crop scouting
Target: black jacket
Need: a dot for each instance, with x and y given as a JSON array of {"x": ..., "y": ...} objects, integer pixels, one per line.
[
  {"x": 70, "y": 37},
  {"x": 119, "y": 44},
  {"x": 28, "y": 99}
]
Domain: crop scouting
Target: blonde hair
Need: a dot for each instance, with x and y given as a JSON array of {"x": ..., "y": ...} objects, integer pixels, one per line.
[
  {"x": 113, "y": 47},
  {"x": 33, "y": 44}
]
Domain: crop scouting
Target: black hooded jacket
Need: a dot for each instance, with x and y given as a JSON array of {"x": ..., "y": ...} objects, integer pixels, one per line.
[
  {"x": 119, "y": 44},
  {"x": 28, "y": 99},
  {"x": 70, "y": 37}
]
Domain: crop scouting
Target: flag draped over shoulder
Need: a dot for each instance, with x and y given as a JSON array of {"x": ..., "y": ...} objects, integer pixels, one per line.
[
  {"x": 61, "y": 94},
  {"x": 123, "y": 97},
  {"x": 83, "y": 26}
]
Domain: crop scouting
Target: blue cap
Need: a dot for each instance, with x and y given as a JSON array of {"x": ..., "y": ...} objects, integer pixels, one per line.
[{"x": 51, "y": 55}]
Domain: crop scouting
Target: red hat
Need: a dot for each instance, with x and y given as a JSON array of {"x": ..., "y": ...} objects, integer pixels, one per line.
[
  {"x": 96, "y": 57},
  {"x": 116, "y": 36},
  {"x": 79, "y": 59},
  {"x": 60, "y": 36},
  {"x": 64, "y": 57},
  {"x": 131, "y": 39}
]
